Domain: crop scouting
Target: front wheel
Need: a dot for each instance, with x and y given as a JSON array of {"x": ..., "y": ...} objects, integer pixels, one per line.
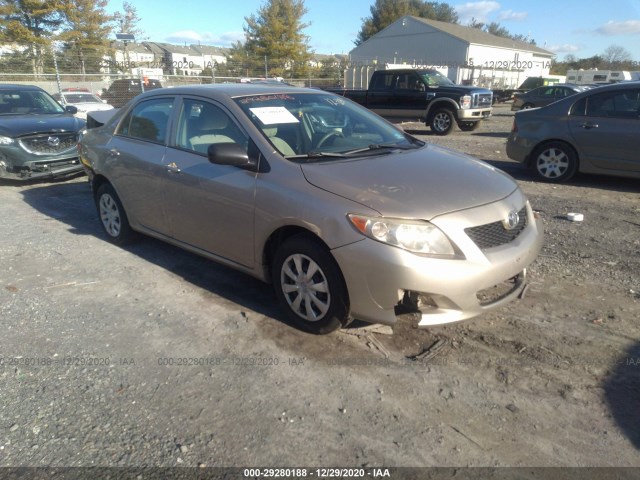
[
  {"x": 442, "y": 121},
  {"x": 555, "y": 162},
  {"x": 468, "y": 126},
  {"x": 112, "y": 215},
  {"x": 309, "y": 286}
]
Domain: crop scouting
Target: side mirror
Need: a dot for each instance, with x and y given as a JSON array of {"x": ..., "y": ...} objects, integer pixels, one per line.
[
  {"x": 231, "y": 154},
  {"x": 71, "y": 109}
]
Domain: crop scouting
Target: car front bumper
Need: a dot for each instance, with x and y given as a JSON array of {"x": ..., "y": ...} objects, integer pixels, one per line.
[
  {"x": 474, "y": 113},
  {"x": 380, "y": 277},
  {"x": 41, "y": 168}
]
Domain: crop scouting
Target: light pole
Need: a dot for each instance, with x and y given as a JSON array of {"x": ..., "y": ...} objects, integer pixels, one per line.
[{"x": 126, "y": 38}]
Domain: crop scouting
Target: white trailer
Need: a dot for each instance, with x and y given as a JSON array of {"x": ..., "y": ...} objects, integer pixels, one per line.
[{"x": 588, "y": 77}]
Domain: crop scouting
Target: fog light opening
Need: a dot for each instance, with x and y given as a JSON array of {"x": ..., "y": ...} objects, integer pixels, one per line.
[{"x": 417, "y": 301}]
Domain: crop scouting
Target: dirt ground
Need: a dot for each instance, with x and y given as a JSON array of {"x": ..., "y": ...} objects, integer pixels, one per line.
[{"x": 150, "y": 356}]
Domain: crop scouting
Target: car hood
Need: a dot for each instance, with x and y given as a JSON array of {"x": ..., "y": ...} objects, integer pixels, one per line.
[
  {"x": 459, "y": 90},
  {"x": 423, "y": 183},
  {"x": 18, "y": 125},
  {"x": 91, "y": 107}
]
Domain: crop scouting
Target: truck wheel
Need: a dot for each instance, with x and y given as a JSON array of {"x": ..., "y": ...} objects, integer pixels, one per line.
[
  {"x": 442, "y": 121},
  {"x": 309, "y": 286},
  {"x": 468, "y": 126}
]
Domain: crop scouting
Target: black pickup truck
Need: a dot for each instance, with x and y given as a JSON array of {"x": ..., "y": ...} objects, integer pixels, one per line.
[{"x": 424, "y": 95}]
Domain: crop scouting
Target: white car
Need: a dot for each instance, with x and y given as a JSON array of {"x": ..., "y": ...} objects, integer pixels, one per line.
[{"x": 83, "y": 101}]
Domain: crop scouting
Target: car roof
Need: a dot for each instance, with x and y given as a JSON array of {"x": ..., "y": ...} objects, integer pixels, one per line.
[
  {"x": 231, "y": 90},
  {"x": 14, "y": 86},
  {"x": 552, "y": 85}
]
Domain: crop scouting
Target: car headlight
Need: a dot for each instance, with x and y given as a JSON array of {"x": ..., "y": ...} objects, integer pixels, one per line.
[
  {"x": 465, "y": 101},
  {"x": 416, "y": 236},
  {"x": 6, "y": 140}
]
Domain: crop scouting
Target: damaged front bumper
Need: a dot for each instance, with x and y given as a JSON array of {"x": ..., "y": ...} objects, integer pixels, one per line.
[{"x": 40, "y": 168}]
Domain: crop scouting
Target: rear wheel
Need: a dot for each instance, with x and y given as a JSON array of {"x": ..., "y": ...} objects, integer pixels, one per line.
[
  {"x": 442, "y": 121},
  {"x": 527, "y": 106},
  {"x": 112, "y": 215},
  {"x": 309, "y": 285},
  {"x": 555, "y": 162}
]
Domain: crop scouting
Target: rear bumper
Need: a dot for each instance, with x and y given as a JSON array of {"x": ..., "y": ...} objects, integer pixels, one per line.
[{"x": 518, "y": 148}]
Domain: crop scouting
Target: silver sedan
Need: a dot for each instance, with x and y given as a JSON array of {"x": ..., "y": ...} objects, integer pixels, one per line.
[{"x": 347, "y": 215}]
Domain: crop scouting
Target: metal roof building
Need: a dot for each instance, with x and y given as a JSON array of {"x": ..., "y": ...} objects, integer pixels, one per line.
[{"x": 468, "y": 55}]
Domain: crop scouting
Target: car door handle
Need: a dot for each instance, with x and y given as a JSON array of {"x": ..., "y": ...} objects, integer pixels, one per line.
[
  {"x": 173, "y": 168},
  {"x": 589, "y": 125}
]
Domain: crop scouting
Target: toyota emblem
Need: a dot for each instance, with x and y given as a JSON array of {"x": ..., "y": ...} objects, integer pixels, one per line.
[{"x": 53, "y": 141}]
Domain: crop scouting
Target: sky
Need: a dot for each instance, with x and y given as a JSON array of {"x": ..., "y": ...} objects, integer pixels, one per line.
[{"x": 582, "y": 28}]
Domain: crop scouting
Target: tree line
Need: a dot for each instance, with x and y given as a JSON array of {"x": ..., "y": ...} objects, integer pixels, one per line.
[
  {"x": 274, "y": 38},
  {"x": 614, "y": 57},
  {"x": 80, "y": 29}
]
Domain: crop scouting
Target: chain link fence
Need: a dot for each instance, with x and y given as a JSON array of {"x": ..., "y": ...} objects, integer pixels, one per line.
[{"x": 120, "y": 76}]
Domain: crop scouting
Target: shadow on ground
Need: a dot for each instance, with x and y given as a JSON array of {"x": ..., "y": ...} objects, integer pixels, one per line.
[
  {"x": 622, "y": 393},
  {"x": 72, "y": 203}
]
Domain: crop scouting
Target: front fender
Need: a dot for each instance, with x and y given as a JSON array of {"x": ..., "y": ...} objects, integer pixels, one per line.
[{"x": 439, "y": 103}]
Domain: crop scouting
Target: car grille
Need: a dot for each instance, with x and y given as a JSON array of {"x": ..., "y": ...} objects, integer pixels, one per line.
[
  {"x": 482, "y": 100},
  {"x": 49, "y": 144},
  {"x": 494, "y": 234}
]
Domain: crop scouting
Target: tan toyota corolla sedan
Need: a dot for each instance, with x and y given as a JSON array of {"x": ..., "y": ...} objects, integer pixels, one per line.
[{"x": 347, "y": 215}]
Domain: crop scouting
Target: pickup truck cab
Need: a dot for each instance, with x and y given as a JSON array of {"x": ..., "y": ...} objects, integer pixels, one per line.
[{"x": 424, "y": 95}]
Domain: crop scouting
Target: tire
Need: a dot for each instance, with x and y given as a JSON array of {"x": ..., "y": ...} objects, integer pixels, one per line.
[
  {"x": 318, "y": 305},
  {"x": 112, "y": 216},
  {"x": 469, "y": 126},
  {"x": 442, "y": 121},
  {"x": 527, "y": 106},
  {"x": 554, "y": 162}
]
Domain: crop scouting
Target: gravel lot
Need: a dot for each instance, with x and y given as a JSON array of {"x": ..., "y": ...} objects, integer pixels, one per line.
[{"x": 150, "y": 356}]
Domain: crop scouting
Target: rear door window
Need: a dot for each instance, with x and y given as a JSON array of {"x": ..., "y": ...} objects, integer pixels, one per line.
[
  {"x": 148, "y": 120},
  {"x": 618, "y": 104}
]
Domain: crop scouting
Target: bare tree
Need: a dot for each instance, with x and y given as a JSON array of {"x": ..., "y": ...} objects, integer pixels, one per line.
[{"x": 615, "y": 55}]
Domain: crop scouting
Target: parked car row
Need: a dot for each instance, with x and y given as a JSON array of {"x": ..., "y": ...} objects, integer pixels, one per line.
[
  {"x": 39, "y": 132},
  {"x": 317, "y": 195}
]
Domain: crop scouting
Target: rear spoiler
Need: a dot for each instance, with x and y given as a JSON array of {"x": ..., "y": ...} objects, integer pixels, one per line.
[{"x": 100, "y": 117}]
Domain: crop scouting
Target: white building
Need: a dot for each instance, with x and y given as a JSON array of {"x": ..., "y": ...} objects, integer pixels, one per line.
[{"x": 471, "y": 56}]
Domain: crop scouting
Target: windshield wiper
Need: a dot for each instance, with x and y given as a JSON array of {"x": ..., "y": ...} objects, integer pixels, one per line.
[
  {"x": 378, "y": 148},
  {"x": 384, "y": 146},
  {"x": 316, "y": 155}
]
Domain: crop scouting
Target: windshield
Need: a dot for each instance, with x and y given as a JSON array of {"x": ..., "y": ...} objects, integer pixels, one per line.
[
  {"x": 81, "y": 98},
  {"x": 435, "y": 79},
  {"x": 318, "y": 125},
  {"x": 27, "y": 101}
]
